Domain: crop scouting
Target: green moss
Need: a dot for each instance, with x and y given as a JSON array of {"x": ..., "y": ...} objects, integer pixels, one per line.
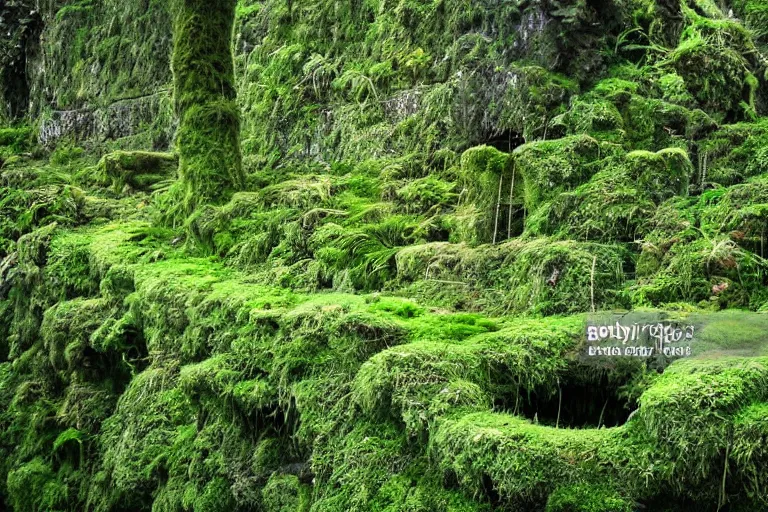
[
  {"x": 749, "y": 438},
  {"x": 740, "y": 211},
  {"x": 690, "y": 270},
  {"x": 426, "y": 195},
  {"x": 755, "y": 14},
  {"x": 284, "y": 493},
  {"x": 66, "y": 153},
  {"x": 598, "y": 118},
  {"x": 482, "y": 174},
  {"x": 618, "y": 199},
  {"x": 14, "y": 140},
  {"x": 551, "y": 167},
  {"x": 721, "y": 45},
  {"x": 478, "y": 444},
  {"x": 542, "y": 275},
  {"x": 694, "y": 396},
  {"x": 732, "y": 154},
  {"x": 420, "y": 382},
  {"x": 138, "y": 170},
  {"x": 706, "y": 250},
  {"x": 98, "y": 53},
  {"x": 587, "y": 498},
  {"x": 34, "y": 486},
  {"x": 240, "y": 369}
]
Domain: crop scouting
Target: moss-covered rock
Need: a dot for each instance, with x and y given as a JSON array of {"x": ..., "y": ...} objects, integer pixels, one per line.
[
  {"x": 548, "y": 168},
  {"x": 617, "y": 199},
  {"x": 138, "y": 170}
]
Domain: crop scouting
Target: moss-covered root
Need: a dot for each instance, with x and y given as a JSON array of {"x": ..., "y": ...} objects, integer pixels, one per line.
[{"x": 204, "y": 93}]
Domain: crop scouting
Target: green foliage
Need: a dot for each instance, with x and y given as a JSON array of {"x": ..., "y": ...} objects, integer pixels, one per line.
[
  {"x": 14, "y": 140},
  {"x": 284, "y": 493},
  {"x": 618, "y": 198},
  {"x": 96, "y": 53},
  {"x": 733, "y": 154},
  {"x": 695, "y": 396},
  {"x": 723, "y": 47},
  {"x": 65, "y": 154},
  {"x": 540, "y": 276},
  {"x": 481, "y": 176},
  {"x": 34, "y": 487},
  {"x": 477, "y": 444}
]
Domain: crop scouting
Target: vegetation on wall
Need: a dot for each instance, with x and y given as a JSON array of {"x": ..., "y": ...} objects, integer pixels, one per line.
[{"x": 359, "y": 279}]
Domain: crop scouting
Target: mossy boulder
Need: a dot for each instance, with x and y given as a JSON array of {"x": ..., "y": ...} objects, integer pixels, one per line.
[
  {"x": 721, "y": 50},
  {"x": 137, "y": 170},
  {"x": 617, "y": 200},
  {"x": 732, "y": 154},
  {"x": 548, "y": 168},
  {"x": 485, "y": 178}
]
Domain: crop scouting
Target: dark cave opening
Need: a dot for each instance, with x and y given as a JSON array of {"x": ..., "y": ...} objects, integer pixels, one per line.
[
  {"x": 576, "y": 403},
  {"x": 505, "y": 141}
]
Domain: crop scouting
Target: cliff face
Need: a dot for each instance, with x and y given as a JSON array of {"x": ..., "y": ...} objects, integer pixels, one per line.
[
  {"x": 89, "y": 70},
  {"x": 384, "y": 307}
]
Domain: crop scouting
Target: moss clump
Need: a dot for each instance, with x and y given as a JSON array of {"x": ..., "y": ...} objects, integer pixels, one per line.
[
  {"x": 618, "y": 198},
  {"x": 721, "y": 47},
  {"x": 35, "y": 486},
  {"x": 749, "y": 438},
  {"x": 548, "y": 168},
  {"x": 755, "y": 15},
  {"x": 486, "y": 445},
  {"x": 427, "y": 195},
  {"x": 733, "y": 154},
  {"x": 419, "y": 382},
  {"x": 284, "y": 493},
  {"x": 588, "y": 498},
  {"x": 707, "y": 250},
  {"x": 713, "y": 272},
  {"x": 14, "y": 140},
  {"x": 485, "y": 176},
  {"x": 598, "y": 117},
  {"x": 740, "y": 211},
  {"x": 541, "y": 275},
  {"x": 210, "y": 163},
  {"x": 160, "y": 382},
  {"x": 685, "y": 409},
  {"x": 138, "y": 170}
]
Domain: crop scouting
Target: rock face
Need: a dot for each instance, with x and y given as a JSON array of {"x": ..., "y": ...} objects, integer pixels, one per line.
[{"x": 125, "y": 120}]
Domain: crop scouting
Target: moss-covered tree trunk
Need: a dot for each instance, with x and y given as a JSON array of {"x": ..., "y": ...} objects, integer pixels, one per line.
[{"x": 210, "y": 163}]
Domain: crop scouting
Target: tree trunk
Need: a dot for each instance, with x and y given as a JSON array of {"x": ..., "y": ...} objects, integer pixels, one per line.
[{"x": 208, "y": 139}]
